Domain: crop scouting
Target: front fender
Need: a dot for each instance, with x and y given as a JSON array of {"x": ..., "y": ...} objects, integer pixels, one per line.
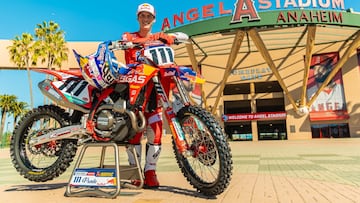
[{"x": 187, "y": 74}]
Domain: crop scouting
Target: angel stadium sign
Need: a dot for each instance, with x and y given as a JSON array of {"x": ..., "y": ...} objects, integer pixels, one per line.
[{"x": 251, "y": 11}]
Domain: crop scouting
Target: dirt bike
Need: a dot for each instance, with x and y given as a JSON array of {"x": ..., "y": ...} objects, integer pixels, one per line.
[{"x": 45, "y": 140}]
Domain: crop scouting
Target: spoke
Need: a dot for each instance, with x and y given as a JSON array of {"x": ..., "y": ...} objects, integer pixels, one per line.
[
  {"x": 40, "y": 156},
  {"x": 206, "y": 163}
]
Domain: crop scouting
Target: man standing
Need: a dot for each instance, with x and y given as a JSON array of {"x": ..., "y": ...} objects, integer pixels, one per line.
[{"x": 153, "y": 112}]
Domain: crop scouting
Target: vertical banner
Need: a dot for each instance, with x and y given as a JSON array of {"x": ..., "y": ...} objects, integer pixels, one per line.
[{"x": 330, "y": 103}]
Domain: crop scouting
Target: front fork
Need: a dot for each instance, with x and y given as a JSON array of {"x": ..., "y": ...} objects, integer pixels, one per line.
[{"x": 174, "y": 124}]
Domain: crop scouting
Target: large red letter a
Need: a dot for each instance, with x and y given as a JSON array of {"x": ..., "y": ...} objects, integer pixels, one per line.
[{"x": 244, "y": 8}]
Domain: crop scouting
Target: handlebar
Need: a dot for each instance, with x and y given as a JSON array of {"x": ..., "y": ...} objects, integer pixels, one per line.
[
  {"x": 179, "y": 38},
  {"x": 122, "y": 45}
]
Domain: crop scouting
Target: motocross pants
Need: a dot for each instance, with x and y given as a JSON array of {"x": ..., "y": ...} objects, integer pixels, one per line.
[{"x": 153, "y": 144}]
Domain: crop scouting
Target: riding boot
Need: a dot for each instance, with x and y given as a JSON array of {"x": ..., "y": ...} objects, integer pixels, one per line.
[
  {"x": 152, "y": 156},
  {"x": 131, "y": 157}
]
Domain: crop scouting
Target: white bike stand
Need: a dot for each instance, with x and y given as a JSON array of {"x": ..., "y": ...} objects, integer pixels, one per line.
[{"x": 105, "y": 180}]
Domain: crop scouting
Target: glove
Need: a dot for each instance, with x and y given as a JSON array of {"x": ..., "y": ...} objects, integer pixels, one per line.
[
  {"x": 127, "y": 37},
  {"x": 167, "y": 39}
]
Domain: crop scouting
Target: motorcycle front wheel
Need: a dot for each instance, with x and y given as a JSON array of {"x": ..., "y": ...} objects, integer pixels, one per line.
[
  {"x": 209, "y": 169},
  {"x": 46, "y": 161}
]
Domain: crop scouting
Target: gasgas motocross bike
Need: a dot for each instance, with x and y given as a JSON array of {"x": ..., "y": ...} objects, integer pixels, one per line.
[{"x": 45, "y": 140}]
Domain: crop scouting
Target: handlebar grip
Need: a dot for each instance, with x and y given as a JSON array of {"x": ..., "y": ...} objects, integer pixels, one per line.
[{"x": 121, "y": 45}]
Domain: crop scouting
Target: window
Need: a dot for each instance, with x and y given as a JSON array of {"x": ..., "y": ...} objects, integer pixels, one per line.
[
  {"x": 272, "y": 130},
  {"x": 268, "y": 87},
  {"x": 330, "y": 130},
  {"x": 232, "y": 89},
  {"x": 270, "y": 105},
  {"x": 232, "y": 107},
  {"x": 239, "y": 130}
]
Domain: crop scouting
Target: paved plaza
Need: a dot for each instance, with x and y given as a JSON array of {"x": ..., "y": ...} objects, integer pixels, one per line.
[{"x": 322, "y": 170}]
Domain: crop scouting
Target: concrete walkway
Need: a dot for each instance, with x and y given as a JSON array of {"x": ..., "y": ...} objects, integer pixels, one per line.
[{"x": 326, "y": 170}]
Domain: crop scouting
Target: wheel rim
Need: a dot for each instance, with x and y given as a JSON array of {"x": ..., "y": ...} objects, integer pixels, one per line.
[
  {"x": 205, "y": 160},
  {"x": 41, "y": 156}
]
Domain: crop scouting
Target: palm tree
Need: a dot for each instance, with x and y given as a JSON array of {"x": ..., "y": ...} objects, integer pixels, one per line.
[
  {"x": 7, "y": 103},
  {"x": 20, "y": 53},
  {"x": 19, "y": 109},
  {"x": 51, "y": 45}
]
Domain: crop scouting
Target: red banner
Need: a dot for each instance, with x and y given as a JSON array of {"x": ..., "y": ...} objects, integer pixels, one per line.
[
  {"x": 329, "y": 115},
  {"x": 255, "y": 116},
  {"x": 330, "y": 103}
]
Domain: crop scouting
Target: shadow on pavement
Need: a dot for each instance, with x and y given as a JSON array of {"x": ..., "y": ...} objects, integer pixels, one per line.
[
  {"x": 54, "y": 186},
  {"x": 36, "y": 187},
  {"x": 182, "y": 191}
]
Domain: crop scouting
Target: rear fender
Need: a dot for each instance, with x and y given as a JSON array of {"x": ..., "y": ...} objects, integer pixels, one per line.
[
  {"x": 61, "y": 74},
  {"x": 58, "y": 92},
  {"x": 69, "y": 89}
]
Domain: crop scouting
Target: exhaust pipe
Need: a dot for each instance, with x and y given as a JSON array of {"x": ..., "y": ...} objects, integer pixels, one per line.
[
  {"x": 134, "y": 121},
  {"x": 120, "y": 107}
]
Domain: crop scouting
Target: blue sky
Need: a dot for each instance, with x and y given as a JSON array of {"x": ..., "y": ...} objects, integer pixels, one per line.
[{"x": 87, "y": 20}]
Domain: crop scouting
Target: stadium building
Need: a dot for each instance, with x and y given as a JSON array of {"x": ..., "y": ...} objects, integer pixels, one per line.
[{"x": 286, "y": 73}]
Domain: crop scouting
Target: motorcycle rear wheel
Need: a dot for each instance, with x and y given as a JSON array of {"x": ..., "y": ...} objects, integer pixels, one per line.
[
  {"x": 209, "y": 169},
  {"x": 46, "y": 161}
]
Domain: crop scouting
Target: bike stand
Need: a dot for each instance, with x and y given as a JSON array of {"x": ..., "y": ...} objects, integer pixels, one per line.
[{"x": 105, "y": 180}]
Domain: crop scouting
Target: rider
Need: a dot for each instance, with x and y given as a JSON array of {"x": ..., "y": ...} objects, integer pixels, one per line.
[{"x": 153, "y": 113}]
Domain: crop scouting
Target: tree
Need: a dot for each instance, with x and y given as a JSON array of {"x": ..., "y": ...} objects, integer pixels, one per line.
[
  {"x": 7, "y": 103},
  {"x": 20, "y": 53},
  {"x": 19, "y": 109},
  {"x": 51, "y": 45}
]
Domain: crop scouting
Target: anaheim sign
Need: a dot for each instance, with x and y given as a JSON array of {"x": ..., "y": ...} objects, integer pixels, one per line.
[{"x": 246, "y": 9}]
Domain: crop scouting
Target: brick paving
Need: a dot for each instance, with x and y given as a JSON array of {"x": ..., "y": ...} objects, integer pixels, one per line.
[{"x": 326, "y": 170}]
